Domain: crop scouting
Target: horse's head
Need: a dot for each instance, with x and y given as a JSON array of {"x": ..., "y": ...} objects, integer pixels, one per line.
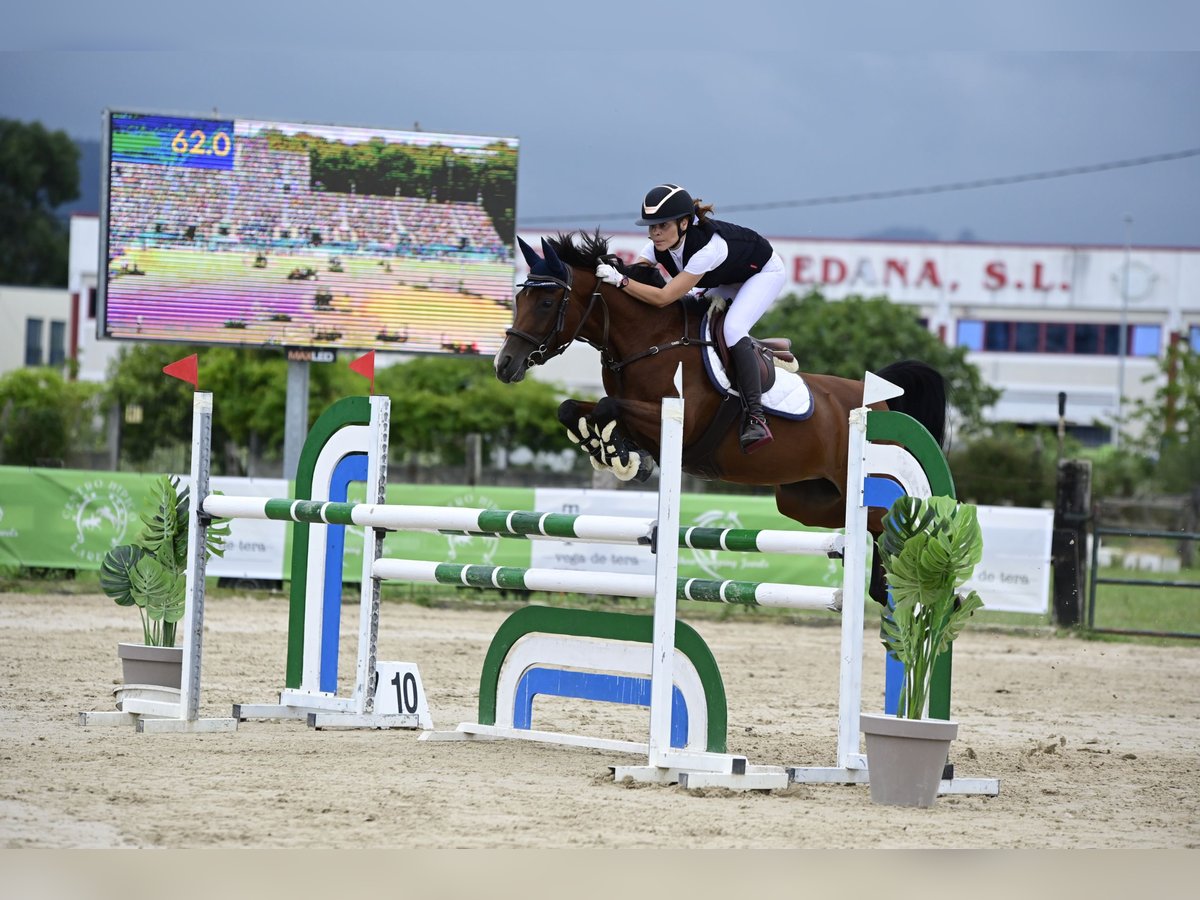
[{"x": 545, "y": 320}]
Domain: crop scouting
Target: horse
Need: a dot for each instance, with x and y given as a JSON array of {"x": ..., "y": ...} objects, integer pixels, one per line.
[{"x": 640, "y": 346}]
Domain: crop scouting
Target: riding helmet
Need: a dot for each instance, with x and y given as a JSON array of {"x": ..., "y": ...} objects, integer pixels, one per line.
[{"x": 666, "y": 203}]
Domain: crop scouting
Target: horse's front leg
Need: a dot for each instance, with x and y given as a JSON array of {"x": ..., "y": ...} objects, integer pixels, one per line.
[{"x": 595, "y": 428}]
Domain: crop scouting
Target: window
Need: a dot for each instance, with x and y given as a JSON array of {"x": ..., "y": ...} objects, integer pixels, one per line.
[
  {"x": 1057, "y": 337},
  {"x": 33, "y": 342},
  {"x": 1085, "y": 338},
  {"x": 1146, "y": 340},
  {"x": 996, "y": 335},
  {"x": 970, "y": 334},
  {"x": 1111, "y": 340},
  {"x": 58, "y": 343},
  {"x": 1194, "y": 338},
  {"x": 1027, "y": 334},
  {"x": 91, "y": 303}
]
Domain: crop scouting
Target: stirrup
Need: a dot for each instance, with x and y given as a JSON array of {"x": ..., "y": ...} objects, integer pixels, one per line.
[{"x": 755, "y": 434}]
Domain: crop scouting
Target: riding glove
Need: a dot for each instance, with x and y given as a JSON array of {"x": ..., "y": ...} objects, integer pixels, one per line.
[{"x": 610, "y": 275}]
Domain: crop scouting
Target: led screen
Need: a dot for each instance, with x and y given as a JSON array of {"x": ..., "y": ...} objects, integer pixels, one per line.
[{"x": 233, "y": 231}]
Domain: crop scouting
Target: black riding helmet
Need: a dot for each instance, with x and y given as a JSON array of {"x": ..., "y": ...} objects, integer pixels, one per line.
[{"x": 666, "y": 203}]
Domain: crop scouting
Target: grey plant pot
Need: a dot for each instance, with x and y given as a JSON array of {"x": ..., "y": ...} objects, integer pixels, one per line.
[
  {"x": 143, "y": 664},
  {"x": 905, "y": 757}
]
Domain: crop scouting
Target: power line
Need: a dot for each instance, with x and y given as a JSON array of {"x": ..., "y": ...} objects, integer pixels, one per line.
[{"x": 900, "y": 192}]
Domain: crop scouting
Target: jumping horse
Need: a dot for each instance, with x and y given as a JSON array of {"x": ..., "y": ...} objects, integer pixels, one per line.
[{"x": 640, "y": 346}]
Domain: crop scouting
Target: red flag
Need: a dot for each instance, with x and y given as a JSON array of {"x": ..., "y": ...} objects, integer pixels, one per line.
[
  {"x": 365, "y": 366},
  {"x": 186, "y": 369}
]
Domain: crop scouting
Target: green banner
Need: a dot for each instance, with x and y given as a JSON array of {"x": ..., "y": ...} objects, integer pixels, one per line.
[
  {"x": 743, "y": 511},
  {"x": 441, "y": 547},
  {"x": 67, "y": 519}
]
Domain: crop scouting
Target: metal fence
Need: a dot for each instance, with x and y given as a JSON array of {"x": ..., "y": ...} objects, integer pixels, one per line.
[{"x": 1097, "y": 533}]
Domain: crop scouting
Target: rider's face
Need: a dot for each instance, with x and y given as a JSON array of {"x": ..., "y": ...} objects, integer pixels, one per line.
[{"x": 665, "y": 234}]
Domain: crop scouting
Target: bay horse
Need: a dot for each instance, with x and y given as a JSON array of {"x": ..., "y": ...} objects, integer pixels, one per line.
[{"x": 640, "y": 346}]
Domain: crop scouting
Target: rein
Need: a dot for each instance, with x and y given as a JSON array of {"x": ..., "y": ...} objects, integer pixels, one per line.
[
  {"x": 685, "y": 341},
  {"x": 543, "y": 351}
]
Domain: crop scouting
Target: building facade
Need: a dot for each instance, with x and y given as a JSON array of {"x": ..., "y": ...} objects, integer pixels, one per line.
[
  {"x": 34, "y": 325},
  {"x": 1035, "y": 319}
]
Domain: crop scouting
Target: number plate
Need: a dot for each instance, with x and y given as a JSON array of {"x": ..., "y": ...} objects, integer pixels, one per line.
[{"x": 399, "y": 691}]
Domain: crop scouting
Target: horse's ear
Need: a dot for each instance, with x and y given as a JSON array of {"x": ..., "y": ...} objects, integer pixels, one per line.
[
  {"x": 553, "y": 263},
  {"x": 531, "y": 257}
]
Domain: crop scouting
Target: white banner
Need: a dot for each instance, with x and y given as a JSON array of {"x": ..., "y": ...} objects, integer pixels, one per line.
[
  {"x": 255, "y": 547},
  {"x": 623, "y": 558},
  {"x": 1014, "y": 574}
]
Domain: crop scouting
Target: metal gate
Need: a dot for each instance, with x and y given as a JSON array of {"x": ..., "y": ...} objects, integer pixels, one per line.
[{"x": 1097, "y": 533}]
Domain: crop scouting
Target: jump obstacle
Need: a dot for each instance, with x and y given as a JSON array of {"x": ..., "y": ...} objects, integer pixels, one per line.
[{"x": 659, "y": 663}]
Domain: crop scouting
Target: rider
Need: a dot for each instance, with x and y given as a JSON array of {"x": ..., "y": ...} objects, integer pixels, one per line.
[{"x": 726, "y": 259}]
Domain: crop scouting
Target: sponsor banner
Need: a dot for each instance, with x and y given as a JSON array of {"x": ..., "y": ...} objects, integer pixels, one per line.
[
  {"x": 254, "y": 547},
  {"x": 706, "y": 510},
  {"x": 756, "y": 512},
  {"x": 1014, "y": 574},
  {"x": 622, "y": 558},
  {"x": 456, "y": 548},
  {"x": 65, "y": 519}
]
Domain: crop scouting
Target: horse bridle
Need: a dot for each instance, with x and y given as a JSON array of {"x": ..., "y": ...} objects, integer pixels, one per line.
[{"x": 542, "y": 351}]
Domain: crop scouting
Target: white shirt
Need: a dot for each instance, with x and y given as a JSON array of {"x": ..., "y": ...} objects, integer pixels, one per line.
[{"x": 703, "y": 260}]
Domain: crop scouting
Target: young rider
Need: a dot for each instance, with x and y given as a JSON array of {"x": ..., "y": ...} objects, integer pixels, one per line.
[{"x": 727, "y": 260}]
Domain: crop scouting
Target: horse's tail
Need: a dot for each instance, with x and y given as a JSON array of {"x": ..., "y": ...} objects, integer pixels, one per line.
[
  {"x": 924, "y": 399},
  {"x": 924, "y": 396}
]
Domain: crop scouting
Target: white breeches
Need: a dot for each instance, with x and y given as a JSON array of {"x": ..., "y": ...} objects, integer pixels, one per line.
[{"x": 750, "y": 299}]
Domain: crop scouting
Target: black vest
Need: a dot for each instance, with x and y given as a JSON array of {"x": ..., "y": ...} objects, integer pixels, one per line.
[{"x": 748, "y": 252}]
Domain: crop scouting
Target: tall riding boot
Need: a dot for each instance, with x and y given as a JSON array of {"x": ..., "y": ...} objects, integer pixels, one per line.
[{"x": 755, "y": 432}]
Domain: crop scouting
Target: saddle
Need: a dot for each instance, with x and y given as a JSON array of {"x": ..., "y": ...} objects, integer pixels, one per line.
[
  {"x": 699, "y": 458},
  {"x": 768, "y": 350}
]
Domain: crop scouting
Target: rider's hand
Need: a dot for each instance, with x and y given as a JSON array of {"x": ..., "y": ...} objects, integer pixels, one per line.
[{"x": 610, "y": 275}]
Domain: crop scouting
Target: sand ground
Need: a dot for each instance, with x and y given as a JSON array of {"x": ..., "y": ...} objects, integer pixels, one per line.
[{"x": 1096, "y": 745}]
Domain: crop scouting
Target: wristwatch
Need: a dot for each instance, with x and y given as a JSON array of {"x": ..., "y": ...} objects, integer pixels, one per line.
[{"x": 624, "y": 282}]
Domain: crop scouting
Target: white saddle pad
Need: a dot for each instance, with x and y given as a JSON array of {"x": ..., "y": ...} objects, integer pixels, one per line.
[{"x": 788, "y": 397}]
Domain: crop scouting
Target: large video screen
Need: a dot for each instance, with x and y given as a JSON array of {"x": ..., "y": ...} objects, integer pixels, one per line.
[{"x": 234, "y": 231}]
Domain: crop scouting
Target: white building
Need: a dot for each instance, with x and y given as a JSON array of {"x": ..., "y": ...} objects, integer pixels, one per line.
[
  {"x": 92, "y": 353},
  {"x": 1037, "y": 319},
  {"x": 34, "y": 327}
]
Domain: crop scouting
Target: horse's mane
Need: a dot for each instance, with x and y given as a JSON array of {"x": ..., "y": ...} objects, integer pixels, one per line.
[
  {"x": 580, "y": 249},
  {"x": 586, "y": 251}
]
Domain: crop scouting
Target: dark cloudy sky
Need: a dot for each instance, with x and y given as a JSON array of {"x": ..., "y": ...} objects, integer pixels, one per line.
[{"x": 744, "y": 103}]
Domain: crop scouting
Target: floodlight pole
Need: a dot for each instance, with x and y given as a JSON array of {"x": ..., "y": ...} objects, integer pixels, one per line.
[
  {"x": 295, "y": 420},
  {"x": 1122, "y": 338}
]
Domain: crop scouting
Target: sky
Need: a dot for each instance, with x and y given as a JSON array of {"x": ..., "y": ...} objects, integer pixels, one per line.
[{"x": 762, "y": 107}]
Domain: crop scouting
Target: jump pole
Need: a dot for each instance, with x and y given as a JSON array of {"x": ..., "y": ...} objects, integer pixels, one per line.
[{"x": 157, "y": 717}]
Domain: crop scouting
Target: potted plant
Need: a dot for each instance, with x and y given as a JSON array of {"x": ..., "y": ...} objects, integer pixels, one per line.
[
  {"x": 150, "y": 574},
  {"x": 928, "y": 548}
]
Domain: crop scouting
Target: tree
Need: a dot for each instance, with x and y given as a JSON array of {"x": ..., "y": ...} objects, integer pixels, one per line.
[
  {"x": 249, "y": 385},
  {"x": 39, "y": 171},
  {"x": 135, "y": 377},
  {"x": 43, "y": 417},
  {"x": 856, "y": 335},
  {"x": 1171, "y": 420},
  {"x": 437, "y": 400},
  {"x": 1008, "y": 465}
]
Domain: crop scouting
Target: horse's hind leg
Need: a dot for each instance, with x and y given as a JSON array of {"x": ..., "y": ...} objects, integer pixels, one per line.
[
  {"x": 820, "y": 504},
  {"x": 817, "y": 503}
]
